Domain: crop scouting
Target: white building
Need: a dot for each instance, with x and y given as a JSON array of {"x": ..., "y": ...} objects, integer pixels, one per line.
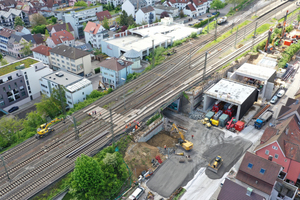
[
  {"x": 191, "y": 8},
  {"x": 76, "y": 87},
  {"x": 60, "y": 38},
  {"x": 70, "y": 59},
  {"x": 145, "y": 15},
  {"x": 94, "y": 33},
  {"x": 114, "y": 2},
  {"x": 76, "y": 19},
  {"x": 41, "y": 53},
  {"x": 131, "y": 6},
  {"x": 172, "y": 11},
  {"x": 20, "y": 82}
]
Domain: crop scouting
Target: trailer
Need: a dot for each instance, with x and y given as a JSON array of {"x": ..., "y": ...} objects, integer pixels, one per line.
[{"x": 263, "y": 118}]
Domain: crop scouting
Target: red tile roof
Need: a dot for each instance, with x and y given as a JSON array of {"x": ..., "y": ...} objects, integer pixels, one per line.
[
  {"x": 113, "y": 64},
  {"x": 253, "y": 176},
  {"x": 191, "y": 7},
  {"x": 198, "y": 2},
  {"x": 268, "y": 133},
  {"x": 42, "y": 49},
  {"x": 101, "y": 15},
  {"x": 61, "y": 36},
  {"x": 179, "y": 1},
  {"x": 147, "y": 9},
  {"x": 6, "y": 32},
  {"x": 92, "y": 27}
]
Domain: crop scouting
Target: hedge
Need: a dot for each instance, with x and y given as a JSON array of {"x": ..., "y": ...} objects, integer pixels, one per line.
[
  {"x": 204, "y": 22},
  {"x": 288, "y": 54}
]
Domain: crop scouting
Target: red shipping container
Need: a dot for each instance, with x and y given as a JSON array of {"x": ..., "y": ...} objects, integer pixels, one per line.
[
  {"x": 287, "y": 42},
  {"x": 239, "y": 126}
]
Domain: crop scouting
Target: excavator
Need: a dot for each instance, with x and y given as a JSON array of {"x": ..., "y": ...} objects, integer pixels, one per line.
[
  {"x": 45, "y": 129},
  {"x": 187, "y": 145}
]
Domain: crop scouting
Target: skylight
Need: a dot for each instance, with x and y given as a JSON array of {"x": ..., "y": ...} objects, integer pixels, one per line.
[
  {"x": 262, "y": 171},
  {"x": 250, "y": 165}
]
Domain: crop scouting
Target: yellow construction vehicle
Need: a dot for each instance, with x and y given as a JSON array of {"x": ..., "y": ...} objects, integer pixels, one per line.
[
  {"x": 45, "y": 129},
  {"x": 215, "y": 164},
  {"x": 101, "y": 86},
  {"x": 187, "y": 145},
  {"x": 206, "y": 122}
]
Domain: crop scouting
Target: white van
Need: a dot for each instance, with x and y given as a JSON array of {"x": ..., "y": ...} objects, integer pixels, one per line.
[
  {"x": 137, "y": 193},
  {"x": 112, "y": 29}
]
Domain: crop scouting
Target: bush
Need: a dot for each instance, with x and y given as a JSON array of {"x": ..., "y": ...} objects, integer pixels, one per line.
[
  {"x": 289, "y": 28},
  {"x": 288, "y": 54},
  {"x": 193, "y": 35},
  {"x": 39, "y": 29},
  {"x": 97, "y": 70},
  {"x": 152, "y": 119}
]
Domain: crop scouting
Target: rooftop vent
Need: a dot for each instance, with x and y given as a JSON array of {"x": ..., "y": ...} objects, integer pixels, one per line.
[
  {"x": 249, "y": 191},
  {"x": 59, "y": 74},
  {"x": 121, "y": 62}
]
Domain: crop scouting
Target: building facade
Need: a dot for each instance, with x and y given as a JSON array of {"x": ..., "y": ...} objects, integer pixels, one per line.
[
  {"x": 41, "y": 53},
  {"x": 105, "y": 14},
  {"x": 16, "y": 44},
  {"x": 59, "y": 38},
  {"x": 20, "y": 85},
  {"x": 131, "y": 6},
  {"x": 76, "y": 87},
  {"x": 70, "y": 59},
  {"x": 60, "y": 27},
  {"x": 145, "y": 15},
  {"x": 5, "y": 34},
  {"x": 94, "y": 33}
]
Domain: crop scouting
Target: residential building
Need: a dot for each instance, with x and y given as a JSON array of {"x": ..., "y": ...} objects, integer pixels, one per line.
[
  {"x": 281, "y": 143},
  {"x": 19, "y": 82},
  {"x": 76, "y": 87},
  {"x": 172, "y": 11},
  {"x": 90, "y": 2},
  {"x": 233, "y": 191},
  {"x": 22, "y": 29},
  {"x": 5, "y": 34},
  {"x": 41, "y": 53},
  {"x": 114, "y": 71},
  {"x": 59, "y": 27},
  {"x": 101, "y": 16},
  {"x": 39, "y": 39},
  {"x": 76, "y": 19},
  {"x": 94, "y": 33},
  {"x": 131, "y": 6},
  {"x": 59, "y": 38},
  {"x": 114, "y": 2},
  {"x": 70, "y": 59},
  {"x": 7, "y": 4},
  {"x": 266, "y": 177},
  {"x": 145, "y": 15},
  {"x": 192, "y": 8},
  {"x": 7, "y": 18},
  {"x": 16, "y": 41}
]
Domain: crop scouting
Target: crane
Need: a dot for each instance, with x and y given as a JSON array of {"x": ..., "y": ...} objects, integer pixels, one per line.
[
  {"x": 187, "y": 145},
  {"x": 45, "y": 129}
]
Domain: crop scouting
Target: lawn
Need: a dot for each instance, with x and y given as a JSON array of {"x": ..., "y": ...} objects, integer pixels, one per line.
[
  {"x": 12, "y": 67},
  {"x": 69, "y": 8}
]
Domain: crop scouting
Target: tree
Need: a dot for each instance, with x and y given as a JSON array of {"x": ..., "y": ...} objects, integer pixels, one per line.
[
  {"x": 1, "y": 56},
  {"x": 26, "y": 48},
  {"x": 112, "y": 6},
  {"x": 38, "y": 19},
  {"x": 46, "y": 35},
  {"x": 164, "y": 14},
  {"x": 193, "y": 35},
  {"x": 67, "y": 27},
  {"x": 54, "y": 20},
  {"x": 298, "y": 18},
  {"x": 217, "y": 4},
  {"x": 124, "y": 28},
  {"x": 80, "y": 3},
  {"x": 181, "y": 14},
  {"x": 234, "y": 2},
  {"x": 84, "y": 25},
  {"x": 124, "y": 18},
  {"x": 130, "y": 20},
  {"x": 39, "y": 29},
  {"x": 105, "y": 23},
  {"x": 19, "y": 21},
  {"x": 9, "y": 129},
  {"x": 4, "y": 62}
]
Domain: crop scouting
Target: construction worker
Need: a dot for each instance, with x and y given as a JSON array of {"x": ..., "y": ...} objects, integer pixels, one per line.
[
  {"x": 136, "y": 127},
  {"x": 165, "y": 147},
  {"x": 192, "y": 136}
]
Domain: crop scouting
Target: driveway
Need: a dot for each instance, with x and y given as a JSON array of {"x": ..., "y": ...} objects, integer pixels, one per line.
[{"x": 10, "y": 59}]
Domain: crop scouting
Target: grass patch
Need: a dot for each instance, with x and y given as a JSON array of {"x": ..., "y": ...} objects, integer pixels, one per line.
[
  {"x": 260, "y": 30},
  {"x": 152, "y": 119},
  {"x": 12, "y": 67},
  {"x": 180, "y": 194},
  {"x": 290, "y": 14},
  {"x": 254, "y": 17},
  {"x": 185, "y": 95}
]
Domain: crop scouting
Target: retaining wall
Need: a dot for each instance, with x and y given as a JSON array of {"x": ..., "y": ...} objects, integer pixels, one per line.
[{"x": 153, "y": 129}]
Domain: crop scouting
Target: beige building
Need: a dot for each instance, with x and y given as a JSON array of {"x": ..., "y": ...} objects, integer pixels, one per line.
[{"x": 70, "y": 59}]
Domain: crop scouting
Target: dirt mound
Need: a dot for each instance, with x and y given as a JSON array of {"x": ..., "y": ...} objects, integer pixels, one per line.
[
  {"x": 139, "y": 155},
  {"x": 163, "y": 138}
]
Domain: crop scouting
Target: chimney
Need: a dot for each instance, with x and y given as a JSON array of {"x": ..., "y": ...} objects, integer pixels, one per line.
[
  {"x": 287, "y": 130},
  {"x": 270, "y": 158}
]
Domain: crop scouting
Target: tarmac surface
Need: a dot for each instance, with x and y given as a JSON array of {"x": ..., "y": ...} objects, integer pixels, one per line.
[{"x": 208, "y": 143}]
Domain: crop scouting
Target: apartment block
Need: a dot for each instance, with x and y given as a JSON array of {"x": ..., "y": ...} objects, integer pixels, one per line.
[
  {"x": 5, "y": 34},
  {"x": 94, "y": 33},
  {"x": 70, "y": 59}
]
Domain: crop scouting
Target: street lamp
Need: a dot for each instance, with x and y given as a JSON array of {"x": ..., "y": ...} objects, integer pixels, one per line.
[{"x": 124, "y": 93}]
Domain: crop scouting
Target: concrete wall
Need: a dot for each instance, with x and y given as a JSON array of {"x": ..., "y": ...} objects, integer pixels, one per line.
[
  {"x": 247, "y": 104},
  {"x": 154, "y": 128},
  {"x": 269, "y": 90}
]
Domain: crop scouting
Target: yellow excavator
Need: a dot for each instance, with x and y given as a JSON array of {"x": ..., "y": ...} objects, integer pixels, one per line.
[
  {"x": 187, "y": 145},
  {"x": 45, "y": 129}
]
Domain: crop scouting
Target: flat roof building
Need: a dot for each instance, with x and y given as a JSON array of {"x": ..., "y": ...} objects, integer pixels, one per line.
[{"x": 235, "y": 93}]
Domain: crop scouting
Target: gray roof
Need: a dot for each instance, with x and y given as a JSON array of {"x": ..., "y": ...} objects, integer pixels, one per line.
[
  {"x": 132, "y": 54},
  {"x": 19, "y": 35},
  {"x": 69, "y": 52},
  {"x": 147, "y": 9},
  {"x": 142, "y": 3},
  {"x": 5, "y": 14},
  {"x": 29, "y": 38},
  {"x": 65, "y": 80},
  {"x": 15, "y": 11}
]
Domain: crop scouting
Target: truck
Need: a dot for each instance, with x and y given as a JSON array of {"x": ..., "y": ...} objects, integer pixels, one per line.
[
  {"x": 263, "y": 118},
  {"x": 218, "y": 106},
  {"x": 222, "y": 20},
  {"x": 231, "y": 111},
  {"x": 215, "y": 164}
]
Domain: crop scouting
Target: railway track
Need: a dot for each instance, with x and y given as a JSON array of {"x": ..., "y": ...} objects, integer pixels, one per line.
[{"x": 169, "y": 76}]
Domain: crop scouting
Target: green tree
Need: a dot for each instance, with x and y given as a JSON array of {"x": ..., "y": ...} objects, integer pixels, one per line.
[
  {"x": 217, "y": 4},
  {"x": 124, "y": 18},
  {"x": 37, "y": 20},
  {"x": 112, "y": 6},
  {"x": 67, "y": 27},
  {"x": 46, "y": 35},
  {"x": 193, "y": 35},
  {"x": 32, "y": 121},
  {"x": 4, "y": 62},
  {"x": 234, "y": 2},
  {"x": 181, "y": 14},
  {"x": 39, "y": 29},
  {"x": 84, "y": 25},
  {"x": 298, "y": 18},
  {"x": 80, "y": 3},
  {"x": 1, "y": 56},
  {"x": 54, "y": 20},
  {"x": 105, "y": 23},
  {"x": 19, "y": 21},
  {"x": 9, "y": 129},
  {"x": 130, "y": 20},
  {"x": 26, "y": 48}
]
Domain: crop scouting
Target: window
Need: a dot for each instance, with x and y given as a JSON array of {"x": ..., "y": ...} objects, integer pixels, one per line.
[
  {"x": 44, "y": 86},
  {"x": 73, "y": 69},
  {"x": 23, "y": 93},
  {"x": 69, "y": 97},
  {"x": 63, "y": 61},
  {"x": 69, "y": 68},
  {"x": 82, "y": 92},
  {"x": 67, "y": 58},
  {"x": 72, "y": 65},
  {"x": 26, "y": 77},
  {"x": 276, "y": 156},
  {"x": 250, "y": 165},
  {"x": 2, "y": 103},
  {"x": 58, "y": 64},
  {"x": 69, "y": 102},
  {"x": 72, "y": 60},
  {"x": 52, "y": 53},
  {"x": 28, "y": 87},
  {"x": 52, "y": 58},
  {"x": 63, "y": 66},
  {"x": 68, "y": 63},
  {"x": 16, "y": 84},
  {"x": 262, "y": 171},
  {"x": 54, "y": 63},
  {"x": 274, "y": 147},
  {"x": 4, "y": 89},
  {"x": 27, "y": 82},
  {"x": 61, "y": 56}
]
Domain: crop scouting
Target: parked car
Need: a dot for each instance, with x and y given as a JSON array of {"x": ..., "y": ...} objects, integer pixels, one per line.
[
  {"x": 281, "y": 93},
  {"x": 3, "y": 54},
  {"x": 200, "y": 20},
  {"x": 208, "y": 15},
  {"x": 214, "y": 13},
  {"x": 13, "y": 109},
  {"x": 190, "y": 24},
  {"x": 137, "y": 193},
  {"x": 274, "y": 100},
  {"x": 112, "y": 29}
]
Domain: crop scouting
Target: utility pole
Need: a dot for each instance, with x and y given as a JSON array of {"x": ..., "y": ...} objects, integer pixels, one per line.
[
  {"x": 204, "y": 69},
  {"x": 62, "y": 102},
  {"x": 216, "y": 29},
  {"x": 112, "y": 128},
  {"x": 245, "y": 32},
  {"x": 232, "y": 25},
  {"x": 237, "y": 29},
  {"x": 153, "y": 59},
  {"x": 76, "y": 130},
  {"x": 5, "y": 168},
  {"x": 208, "y": 26},
  {"x": 255, "y": 30},
  {"x": 284, "y": 23}
]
